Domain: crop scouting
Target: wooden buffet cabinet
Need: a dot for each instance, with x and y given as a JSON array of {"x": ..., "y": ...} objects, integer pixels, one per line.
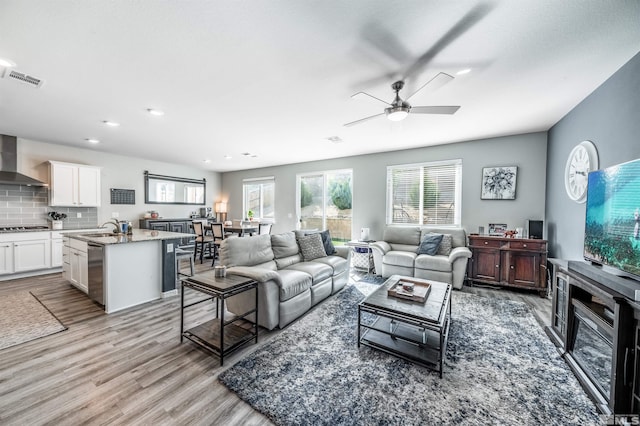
[{"x": 509, "y": 262}]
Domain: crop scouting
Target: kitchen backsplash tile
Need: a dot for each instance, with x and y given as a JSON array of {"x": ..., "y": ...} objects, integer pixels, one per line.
[{"x": 28, "y": 205}]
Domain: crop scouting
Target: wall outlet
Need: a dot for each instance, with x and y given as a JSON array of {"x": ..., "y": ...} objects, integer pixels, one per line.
[
  {"x": 78, "y": 215},
  {"x": 115, "y": 214},
  {"x": 170, "y": 248}
]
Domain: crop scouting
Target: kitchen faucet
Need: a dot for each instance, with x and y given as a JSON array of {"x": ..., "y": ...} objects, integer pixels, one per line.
[{"x": 113, "y": 222}]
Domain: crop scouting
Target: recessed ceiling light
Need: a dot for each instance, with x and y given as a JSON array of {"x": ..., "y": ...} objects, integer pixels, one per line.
[
  {"x": 228, "y": 157},
  {"x": 92, "y": 140},
  {"x": 335, "y": 139},
  {"x": 155, "y": 112},
  {"x": 464, "y": 71},
  {"x": 6, "y": 63},
  {"x": 246, "y": 154},
  {"x": 111, "y": 123},
  {"x": 206, "y": 161}
]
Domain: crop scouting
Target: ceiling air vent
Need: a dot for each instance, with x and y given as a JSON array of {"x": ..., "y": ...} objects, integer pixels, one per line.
[{"x": 23, "y": 78}]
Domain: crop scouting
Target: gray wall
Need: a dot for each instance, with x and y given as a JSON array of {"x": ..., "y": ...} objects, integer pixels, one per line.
[
  {"x": 118, "y": 171},
  {"x": 609, "y": 117},
  {"x": 528, "y": 152}
]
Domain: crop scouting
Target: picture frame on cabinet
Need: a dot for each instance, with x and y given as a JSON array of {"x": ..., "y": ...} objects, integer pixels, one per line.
[
  {"x": 499, "y": 183},
  {"x": 497, "y": 229}
]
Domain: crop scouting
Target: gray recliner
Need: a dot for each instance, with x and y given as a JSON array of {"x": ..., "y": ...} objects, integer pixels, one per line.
[{"x": 397, "y": 254}]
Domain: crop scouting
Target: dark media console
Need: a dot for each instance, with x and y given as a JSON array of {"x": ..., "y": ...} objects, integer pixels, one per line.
[
  {"x": 626, "y": 286},
  {"x": 595, "y": 323}
]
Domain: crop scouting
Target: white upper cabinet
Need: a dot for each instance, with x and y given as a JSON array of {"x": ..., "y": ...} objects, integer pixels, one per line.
[{"x": 74, "y": 185}]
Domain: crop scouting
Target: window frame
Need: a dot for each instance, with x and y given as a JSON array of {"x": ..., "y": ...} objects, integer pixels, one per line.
[
  {"x": 457, "y": 219},
  {"x": 266, "y": 180}
]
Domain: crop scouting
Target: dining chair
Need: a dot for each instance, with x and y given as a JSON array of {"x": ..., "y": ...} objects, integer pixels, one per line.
[
  {"x": 202, "y": 241},
  {"x": 264, "y": 228},
  {"x": 217, "y": 230}
]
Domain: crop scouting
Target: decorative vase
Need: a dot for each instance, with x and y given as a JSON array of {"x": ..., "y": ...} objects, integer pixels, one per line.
[{"x": 56, "y": 224}]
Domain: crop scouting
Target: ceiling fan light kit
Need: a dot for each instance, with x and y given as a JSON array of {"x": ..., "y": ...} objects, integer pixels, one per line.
[{"x": 399, "y": 109}]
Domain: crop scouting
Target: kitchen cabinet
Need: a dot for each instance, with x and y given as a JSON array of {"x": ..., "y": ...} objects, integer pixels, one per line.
[
  {"x": 74, "y": 185},
  {"x": 6, "y": 257},
  {"x": 22, "y": 252},
  {"x": 509, "y": 262},
  {"x": 31, "y": 254},
  {"x": 77, "y": 271},
  {"x": 57, "y": 245}
]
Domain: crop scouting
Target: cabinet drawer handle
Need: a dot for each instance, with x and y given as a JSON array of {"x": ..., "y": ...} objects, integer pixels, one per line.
[
  {"x": 7, "y": 245},
  {"x": 511, "y": 266},
  {"x": 486, "y": 242},
  {"x": 497, "y": 266},
  {"x": 524, "y": 245}
]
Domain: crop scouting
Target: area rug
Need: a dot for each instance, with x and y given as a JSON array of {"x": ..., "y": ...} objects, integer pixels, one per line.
[
  {"x": 23, "y": 318},
  {"x": 500, "y": 369}
]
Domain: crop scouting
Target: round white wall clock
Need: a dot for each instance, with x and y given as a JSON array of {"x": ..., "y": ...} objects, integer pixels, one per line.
[{"x": 582, "y": 159}]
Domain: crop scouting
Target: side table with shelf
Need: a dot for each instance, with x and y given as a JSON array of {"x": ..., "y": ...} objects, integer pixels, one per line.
[
  {"x": 220, "y": 336},
  {"x": 362, "y": 256}
]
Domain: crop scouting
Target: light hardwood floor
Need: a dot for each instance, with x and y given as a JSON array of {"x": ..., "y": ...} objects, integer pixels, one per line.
[{"x": 129, "y": 367}]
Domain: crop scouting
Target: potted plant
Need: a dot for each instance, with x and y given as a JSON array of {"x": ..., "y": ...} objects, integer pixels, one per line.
[
  {"x": 250, "y": 214},
  {"x": 56, "y": 219}
]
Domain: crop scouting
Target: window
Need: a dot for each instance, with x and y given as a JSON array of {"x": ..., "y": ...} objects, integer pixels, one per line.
[
  {"x": 324, "y": 202},
  {"x": 425, "y": 194},
  {"x": 259, "y": 197}
]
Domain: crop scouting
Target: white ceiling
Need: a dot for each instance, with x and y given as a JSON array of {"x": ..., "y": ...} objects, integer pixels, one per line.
[{"x": 274, "y": 78}]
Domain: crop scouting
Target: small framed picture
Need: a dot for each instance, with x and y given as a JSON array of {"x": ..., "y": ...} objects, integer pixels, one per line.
[
  {"x": 497, "y": 229},
  {"x": 499, "y": 183}
]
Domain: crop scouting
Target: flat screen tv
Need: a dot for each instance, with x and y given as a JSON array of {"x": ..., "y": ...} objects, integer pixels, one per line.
[{"x": 612, "y": 226}]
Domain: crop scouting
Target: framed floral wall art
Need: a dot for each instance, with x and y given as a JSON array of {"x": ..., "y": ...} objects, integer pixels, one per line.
[{"x": 499, "y": 183}]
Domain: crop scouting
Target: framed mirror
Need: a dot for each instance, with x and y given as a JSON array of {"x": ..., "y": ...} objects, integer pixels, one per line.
[{"x": 159, "y": 189}]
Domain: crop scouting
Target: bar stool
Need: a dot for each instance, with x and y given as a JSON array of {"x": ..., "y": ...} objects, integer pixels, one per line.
[{"x": 180, "y": 255}]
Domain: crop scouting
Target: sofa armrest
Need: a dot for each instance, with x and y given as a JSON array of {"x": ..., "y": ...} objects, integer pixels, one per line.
[
  {"x": 261, "y": 275},
  {"x": 381, "y": 246},
  {"x": 459, "y": 252},
  {"x": 343, "y": 251}
]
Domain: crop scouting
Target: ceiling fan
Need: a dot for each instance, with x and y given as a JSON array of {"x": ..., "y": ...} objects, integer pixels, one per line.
[
  {"x": 388, "y": 44},
  {"x": 398, "y": 109}
]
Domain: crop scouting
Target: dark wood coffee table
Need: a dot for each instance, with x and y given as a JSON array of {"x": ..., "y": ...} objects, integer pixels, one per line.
[{"x": 414, "y": 331}]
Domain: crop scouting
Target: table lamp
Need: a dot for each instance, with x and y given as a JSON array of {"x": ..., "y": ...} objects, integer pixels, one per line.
[{"x": 221, "y": 211}]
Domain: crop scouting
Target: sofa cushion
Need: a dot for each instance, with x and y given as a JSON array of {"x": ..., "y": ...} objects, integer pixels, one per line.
[
  {"x": 246, "y": 251},
  {"x": 433, "y": 263},
  {"x": 293, "y": 283},
  {"x": 458, "y": 235},
  {"x": 283, "y": 262},
  {"x": 402, "y": 235},
  {"x": 429, "y": 244},
  {"x": 311, "y": 247},
  {"x": 339, "y": 264},
  {"x": 445, "y": 245},
  {"x": 284, "y": 245},
  {"x": 329, "y": 249},
  {"x": 400, "y": 258},
  {"x": 318, "y": 271}
]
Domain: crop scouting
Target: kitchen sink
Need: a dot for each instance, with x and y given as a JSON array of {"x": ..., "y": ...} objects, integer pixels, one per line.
[{"x": 98, "y": 234}]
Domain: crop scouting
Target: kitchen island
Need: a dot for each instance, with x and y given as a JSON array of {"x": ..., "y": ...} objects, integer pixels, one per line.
[{"x": 122, "y": 270}]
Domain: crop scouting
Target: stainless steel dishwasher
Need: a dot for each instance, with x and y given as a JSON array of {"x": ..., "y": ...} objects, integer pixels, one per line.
[{"x": 95, "y": 266}]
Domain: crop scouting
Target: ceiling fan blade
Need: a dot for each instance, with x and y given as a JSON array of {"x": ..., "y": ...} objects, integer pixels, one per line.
[
  {"x": 434, "y": 109},
  {"x": 386, "y": 43},
  {"x": 435, "y": 83},
  {"x": 468, "y": 20},
  {"x": 364, "y": 95},
  {"x": 353, "y": 123}
]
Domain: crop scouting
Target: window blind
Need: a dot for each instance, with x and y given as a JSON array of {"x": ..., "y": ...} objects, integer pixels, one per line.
[{"x": 425, "y": 193}]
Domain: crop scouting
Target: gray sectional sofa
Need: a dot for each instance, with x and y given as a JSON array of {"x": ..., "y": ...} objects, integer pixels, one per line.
[
  {"x": 397, "y": 254},
  {"x": 288, "y": 286}
]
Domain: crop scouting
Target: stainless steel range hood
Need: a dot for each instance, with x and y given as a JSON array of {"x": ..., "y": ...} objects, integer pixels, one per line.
[{"x": 8, "y": 164}]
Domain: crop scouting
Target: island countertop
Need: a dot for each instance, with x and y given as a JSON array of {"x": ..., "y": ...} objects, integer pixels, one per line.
[{"x": 139, "y": 235}]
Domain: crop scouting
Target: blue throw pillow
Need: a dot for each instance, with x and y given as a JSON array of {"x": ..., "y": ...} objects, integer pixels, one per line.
[{"x": 430, "y": 243}]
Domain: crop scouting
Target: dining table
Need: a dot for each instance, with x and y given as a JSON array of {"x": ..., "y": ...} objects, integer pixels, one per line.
[{"x": 241, "y": 230}]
